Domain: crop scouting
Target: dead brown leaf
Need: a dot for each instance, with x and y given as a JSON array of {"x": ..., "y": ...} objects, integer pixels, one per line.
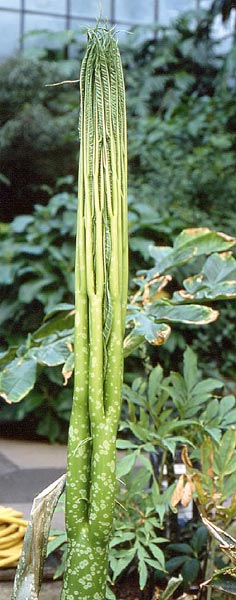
[
  {"x": 178, "y": 492},
  {"x": 187, "y": 493}
]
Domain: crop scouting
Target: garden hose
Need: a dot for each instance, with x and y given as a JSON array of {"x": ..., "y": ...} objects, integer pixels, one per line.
[{"x": 12, "y": 532}]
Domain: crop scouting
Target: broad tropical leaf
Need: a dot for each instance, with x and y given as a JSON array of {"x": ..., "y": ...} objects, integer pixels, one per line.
[
  {"x": 189, "y": 244},
  {"x": 17, "y": 379}
]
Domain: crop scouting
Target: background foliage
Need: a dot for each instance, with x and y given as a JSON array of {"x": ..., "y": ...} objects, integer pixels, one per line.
[
  {"x": 182, "y": 123},
  {"x": 181, "y": 91},
  {"x": 181, "y": 117}
]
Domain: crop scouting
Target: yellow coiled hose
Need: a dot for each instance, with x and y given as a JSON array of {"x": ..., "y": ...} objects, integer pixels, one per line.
[{"x": 12, "y": 532}]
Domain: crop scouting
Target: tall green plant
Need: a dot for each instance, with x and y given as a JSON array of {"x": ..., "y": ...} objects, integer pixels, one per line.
[{"x": 101, "y": 275}]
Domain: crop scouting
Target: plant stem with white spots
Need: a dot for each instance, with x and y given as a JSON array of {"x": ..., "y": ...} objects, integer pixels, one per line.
[{"x": 101, "y": 275}]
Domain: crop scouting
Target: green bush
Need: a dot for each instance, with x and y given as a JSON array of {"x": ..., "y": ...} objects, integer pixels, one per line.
[
  {"x": 152, "y": 536},
  {"x": 36, "y": 265},
  {"x": 190, "y": 160},
  {"x": 182, "y": 123},
  {"x": 158, "y": 301},
  {"x": 181, "y": 118},
  {"x": 38, "y": 124}
]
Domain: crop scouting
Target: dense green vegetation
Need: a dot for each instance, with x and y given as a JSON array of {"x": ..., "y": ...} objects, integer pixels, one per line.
[
  {"x": 181, "y": 131},
  {"x": 181, "y": 118},
  {"x": 181, "y": 93}
]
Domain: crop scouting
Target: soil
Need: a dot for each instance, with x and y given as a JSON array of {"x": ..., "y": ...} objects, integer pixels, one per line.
[{"x": 128, "y": 589}]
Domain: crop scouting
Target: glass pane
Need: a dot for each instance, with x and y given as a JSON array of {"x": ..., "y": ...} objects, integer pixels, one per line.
[
  {"x": 224, "y": 31},
  {"x": 10, "y": 4},
  {"x": 79, "y": 26},
  {"x": 36, "y": 23},
  {"x": 91, "y": 8},
  {"x": 9, "y": 43},
  {"x": 170, "y": 9},
  {"x": 205, "y": 4},
  {"x": 47, "y": 6},
  {"x": 141, "y": 12}
]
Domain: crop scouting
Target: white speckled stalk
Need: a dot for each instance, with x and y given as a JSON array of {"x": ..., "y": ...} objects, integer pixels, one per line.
[{"x": 101, "y": 296}]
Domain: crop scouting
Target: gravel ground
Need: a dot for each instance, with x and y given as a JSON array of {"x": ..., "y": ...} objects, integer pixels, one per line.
[{"x": 49, "y": 591}]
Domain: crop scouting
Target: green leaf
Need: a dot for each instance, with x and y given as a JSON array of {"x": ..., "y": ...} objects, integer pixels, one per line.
[
  {"x": 227, "y": 446},
  {"x": 226, "y": 582},
  {"x": 146, "y": 463},
  {"x": 206, "y": 387},
  {"x": 4, "y": 179},
  {"x": 224, "y": 291},
  {"x": 192, "y": 314},
  {"x": 141, "y": 433},
  {"x": 190, "y": 570},
  {"x": 68, "y": 367},
  {"x": 120, "y": 564},
  {"x": 174, "y": 563},
  {"x": 7, "y": 274},
  {"x": 216, "y": 281},
  {"x": 230, "y": 466},
  {"x": 189, "y": 244},
  {"x": 7, "y": 310},
  {"x": 219, "y": 268},
  {"x": 52, "y": 354},
  {"x": 61, "y": 324},
  {"x": 154, "y": 564},
  {"x": 226, "y": 404},
  {"x": 143, "y": 573},
  {"x": 211, "y": 410},
  {"x": 171, "y": 587},
  {"x": 140, "y": 480},
  {"x": 203, "y": 241},
  {"x": 170, "y": 444},
  {"x": 154, "y": 383},
  {"x": 164, "y": 258},
  {"x": 124, "y": 536},
  {"x": 148, "y": 447},
  {"x": 214, "y": 432},
  {"x": 181, "y": 548},
  {"x": 229, "y": 486},
  {"x": 125, "y": 444},
  {"x": 229, "y": 418},
  {"x": 141, "y": 245},
  {"x": 17, "y": 379},
  {"x": 157, "y": 552},
  {"x": 199, "y": 539},
  {"x": 62, "y": 307},
  {"x": 8, "y": 355},
  {"x": 110, "y": 594},
  {"x": 31, "y": 249},
  {"x": 28, "y": 291},
  {"x": 20, "y": 223},
  {"x": 190, "y": 368},
  {"x": 56, "y": 542},
  {"x": 145, "y": 329},
  {"x": 178, "y": 391},
  {"x": 125, "y": 465}
]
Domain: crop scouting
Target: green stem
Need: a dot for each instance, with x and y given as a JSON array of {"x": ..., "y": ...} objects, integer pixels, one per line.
[
  {"x": 210, "y": 564},
  {"x": 101, "y": 296}
]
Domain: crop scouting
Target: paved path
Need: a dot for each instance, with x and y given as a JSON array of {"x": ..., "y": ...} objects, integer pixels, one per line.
[
  {"x": 49, "y": 591},
  {"x": 26, "y": 468}
]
